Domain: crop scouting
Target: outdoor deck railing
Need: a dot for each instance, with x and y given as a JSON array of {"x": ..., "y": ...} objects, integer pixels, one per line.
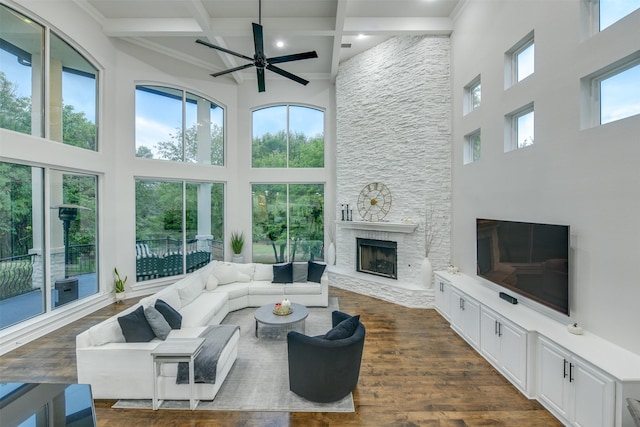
[{"x": 16, "y": 275}]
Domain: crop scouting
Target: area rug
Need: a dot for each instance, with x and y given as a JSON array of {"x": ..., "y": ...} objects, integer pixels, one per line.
[{"x": 259, "y": 379}]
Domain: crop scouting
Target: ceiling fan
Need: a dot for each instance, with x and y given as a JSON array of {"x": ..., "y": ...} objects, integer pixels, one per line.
[{"x": 259, "y": 60}]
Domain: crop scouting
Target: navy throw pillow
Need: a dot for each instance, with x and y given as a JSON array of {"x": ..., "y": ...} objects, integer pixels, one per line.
[
  {"x": 135, "y": 327},
  {"x": 171, "y": 315},
  {"x": 283, "y": 273},
  {"x": 315, "y": 271},
  {"x": 344, "y": 329}
]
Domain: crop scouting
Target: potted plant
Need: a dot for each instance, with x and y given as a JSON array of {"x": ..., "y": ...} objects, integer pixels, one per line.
[
  {"x": 237, "y": 243},
  {"x": 119, "y": 285}
]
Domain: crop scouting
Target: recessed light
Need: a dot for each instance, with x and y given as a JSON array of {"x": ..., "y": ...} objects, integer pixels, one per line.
[
  {"x": 280, "y": 43},
  {"x": 361, "y": 36}
]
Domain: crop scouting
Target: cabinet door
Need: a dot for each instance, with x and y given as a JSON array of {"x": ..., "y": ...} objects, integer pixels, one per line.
[
  {"x": 593, "y": 398},
  {"x": 553, "y": 368},
  {"x": 455, "y": 309},
  {"x": 471, "y": 320},
  {"x": 442, "y": 299},
  {"x": 513, "y": 352},
  {"x": 489, "y": 339}
]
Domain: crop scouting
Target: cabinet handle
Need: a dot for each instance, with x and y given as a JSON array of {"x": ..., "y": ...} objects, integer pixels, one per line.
[
  {"x": 461, "y": 304},
  {"x": 441, "y": 287},
  {"x": 564, "y": 369},
  {"x": 495, "y": 327},
  {"x": 570, "y": 372},
  {"x": 499, "y": 329}
]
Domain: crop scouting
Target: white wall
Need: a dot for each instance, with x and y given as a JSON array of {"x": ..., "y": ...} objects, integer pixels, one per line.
[{"x": 588, "y": 179}]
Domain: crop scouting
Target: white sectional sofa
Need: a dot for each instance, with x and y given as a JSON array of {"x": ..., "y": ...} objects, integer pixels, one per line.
[{"x": 117, "y": 369}]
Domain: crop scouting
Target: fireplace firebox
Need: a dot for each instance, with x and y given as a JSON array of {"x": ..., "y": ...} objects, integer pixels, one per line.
[{"x": 377, "y": 257}]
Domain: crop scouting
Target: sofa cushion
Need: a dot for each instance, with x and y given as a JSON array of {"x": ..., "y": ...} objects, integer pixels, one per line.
[
  {"x": 157, "y": 322},
  {"x": 300, "y": 270},
  {"x": 344, "y": 329},
  {"x": 171, "y": 297},
  {"x": 236, "y": 290},
  {"x": 306, "y": 288},
  {"x": 106, "y": 332},
  {"x": 263, "y": 272},
  {"x": 170, "y": 314},
  {"x": 212, "y": 283},
  {"x": 135, "y": 327},
  {"x": 267, "y": 288},
  {"x": 202, "y": 310},
  {"x": 315, "y": 271},
  {"x": 189, "y": 288},
  {"x": 283, "y": 273}
]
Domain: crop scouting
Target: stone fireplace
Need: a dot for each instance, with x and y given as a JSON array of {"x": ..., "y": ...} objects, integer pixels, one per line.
[{"x": 393, "y": 127}]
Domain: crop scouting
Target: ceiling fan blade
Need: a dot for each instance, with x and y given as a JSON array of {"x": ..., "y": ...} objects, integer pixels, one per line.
[
  {"x": 287, "y": 74},
  {"x": 260, "y": 72},
  {"x": 222, "y": 49},
  {"x": 231, "y": 70},
  {"x": 294, "y": 57},
  {"x": 258, "y": 40}
]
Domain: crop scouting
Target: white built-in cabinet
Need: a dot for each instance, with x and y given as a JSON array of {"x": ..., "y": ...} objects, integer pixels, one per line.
[
  {"x": 504, "y": 345},
  {"x": 578, "y": 393},
  {"x": 465, "y": 316},
  {"x": 583, "y": 380}
]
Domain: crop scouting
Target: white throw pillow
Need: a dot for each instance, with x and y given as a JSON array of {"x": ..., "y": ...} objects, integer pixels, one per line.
[
  {"x": 263, "y": 272},
  {"x": 212, "y": 283},
  {"x": 106, "y": 332},
  {"x": 248, "y": 269},
  {"x": 225, "y": 273},
  {"x": 189, "y": 289},
  {"x": 241, "y": 277}
]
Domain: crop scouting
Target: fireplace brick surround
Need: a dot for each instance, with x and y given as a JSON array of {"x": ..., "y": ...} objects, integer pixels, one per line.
[{"x": 395, "y": 128}]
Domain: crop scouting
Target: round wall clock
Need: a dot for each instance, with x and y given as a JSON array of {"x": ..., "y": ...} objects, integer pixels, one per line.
[{"x": 374, "y": 201}]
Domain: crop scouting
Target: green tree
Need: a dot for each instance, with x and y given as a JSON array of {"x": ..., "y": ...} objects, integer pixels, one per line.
[
  {"x": 16, "y": 237},
  {"x": 15, "y": 111},
  {"x": 77, "y": 130},
  {"x": 172, "y": 149}
]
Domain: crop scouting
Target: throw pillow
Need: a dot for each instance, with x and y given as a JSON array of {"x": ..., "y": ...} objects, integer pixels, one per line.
[
  {"x": 248, "y": 269},
  {"x": 344, "y": 329},
  {"x": 189, "y": 288},
  {"x": 315, "y": 271},
  {"x": 157, "y": 322},
  {"x": 135, "y": 327},
  {"x": 283, "y": 273},
  {"x": 264, "y": 272},
  {"x": 212, "y": 283},
  {"x": 225, "y": 273},
  {"x": 300, "y": 270},
  {"x": 171, "y": 315},
  {"x": 241, "y": 277}
]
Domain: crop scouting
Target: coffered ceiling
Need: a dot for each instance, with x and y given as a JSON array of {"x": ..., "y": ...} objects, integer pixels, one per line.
[{"x": 335, "y": 29}]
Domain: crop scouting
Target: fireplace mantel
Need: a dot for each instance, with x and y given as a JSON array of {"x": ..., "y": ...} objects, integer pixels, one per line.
[{"x": 396, "y": 227}]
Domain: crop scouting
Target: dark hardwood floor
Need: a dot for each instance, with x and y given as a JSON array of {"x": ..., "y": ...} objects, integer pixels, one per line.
[{"x": 415, "y": 372}]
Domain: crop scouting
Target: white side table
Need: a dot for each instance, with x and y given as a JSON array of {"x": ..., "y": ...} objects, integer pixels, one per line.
[{"x": 174, "y": 351}]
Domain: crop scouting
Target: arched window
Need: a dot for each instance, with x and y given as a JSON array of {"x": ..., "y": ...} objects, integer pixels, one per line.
[
  {"x": 288, "y": 136},
  {"x": 173, "y": 124}
]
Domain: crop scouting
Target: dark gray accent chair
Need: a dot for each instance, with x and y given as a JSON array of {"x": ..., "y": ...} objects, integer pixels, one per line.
[{"x": 322, "y": 370}]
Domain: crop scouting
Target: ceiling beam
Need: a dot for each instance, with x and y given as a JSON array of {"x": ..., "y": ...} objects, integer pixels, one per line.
[{"x": 341, "y": 11}]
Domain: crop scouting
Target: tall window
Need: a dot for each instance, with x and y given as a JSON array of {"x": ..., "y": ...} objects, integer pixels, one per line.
[
  {"x": 472, "y": 147},
  {"x": 73, "y": 236},
  {"x": 611, "y": 11},
  {"x": 288, "y": 222},
  {"x": 520, "y": 128},
  {"x": 288, "y": 136},
  {"x": 70, "y": 80},
  {"x": 22, "y": 284},
  {"x": 520, "y": 61},
  {"x": 172, "y": 124},
  {"x": 179, "y": 226},
  {"x": 473, "y": 95},
  {"x": 620, "y": 94}
]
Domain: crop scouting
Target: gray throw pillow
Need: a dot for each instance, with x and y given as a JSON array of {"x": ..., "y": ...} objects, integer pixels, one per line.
[
  {"x": 157, "y": 322},
  {"x": 300, "y": 272}
]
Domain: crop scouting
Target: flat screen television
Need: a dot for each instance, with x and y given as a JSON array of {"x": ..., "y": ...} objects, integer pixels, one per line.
[{"x": 530, "y": 259}]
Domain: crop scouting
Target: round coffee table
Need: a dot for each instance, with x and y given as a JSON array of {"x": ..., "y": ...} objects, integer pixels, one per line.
[{"x": 266, "y": 316}]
